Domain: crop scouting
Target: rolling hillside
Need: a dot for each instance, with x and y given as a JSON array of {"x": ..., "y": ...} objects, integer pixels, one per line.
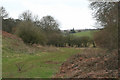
[{"x": 85, "y": 33}]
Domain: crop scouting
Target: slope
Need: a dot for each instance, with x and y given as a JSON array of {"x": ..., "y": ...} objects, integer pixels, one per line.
[
  {"x": 25, "y": 61},
  {"x": 88, "y": 33}
]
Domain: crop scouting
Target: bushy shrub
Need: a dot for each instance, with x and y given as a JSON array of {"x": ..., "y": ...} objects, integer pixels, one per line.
[
  {"x": 107, "y": 38},
  {"x": 106, "y": 15},
  {"x": 85, "y": 40},
  {"x": 56, "y": 39},
  {"x": 30, "y": 33},
  {"x": 77, "y": 41}
]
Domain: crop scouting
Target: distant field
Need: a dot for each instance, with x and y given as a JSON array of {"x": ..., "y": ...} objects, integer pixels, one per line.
[{"x": 85, "y": 33}]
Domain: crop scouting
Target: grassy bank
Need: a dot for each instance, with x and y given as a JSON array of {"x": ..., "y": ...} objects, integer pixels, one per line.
[
  {"x": 41, "y": 64},
  {"x": 23, "y": 61}
]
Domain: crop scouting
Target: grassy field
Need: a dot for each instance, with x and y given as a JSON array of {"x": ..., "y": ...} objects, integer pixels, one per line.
[
  {"x": 24, "y": 61},
  {"x": 42, "y": 62},
  {"x": 85, "y": 33}
]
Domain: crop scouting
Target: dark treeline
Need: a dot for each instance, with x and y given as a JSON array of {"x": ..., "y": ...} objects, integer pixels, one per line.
[
  {"x": 44, "y": 31},
  {"x": 9, "y": 24}
]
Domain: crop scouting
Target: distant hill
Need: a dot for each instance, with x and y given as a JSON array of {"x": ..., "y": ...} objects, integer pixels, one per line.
[{"x": 88, "y": 33}]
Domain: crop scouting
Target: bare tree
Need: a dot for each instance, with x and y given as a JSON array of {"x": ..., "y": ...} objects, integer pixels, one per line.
[
  {"x": 3, "y": 12},
  {"x": 105, "y": 13},
  {"x": 26, "y": 16}
]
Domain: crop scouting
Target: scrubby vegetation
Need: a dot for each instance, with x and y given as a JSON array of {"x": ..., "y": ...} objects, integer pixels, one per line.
[
  {"x": 105, "y": 16},
  {"x": 30, "y": 33},
  {"x": 90, "y": 63},
  {"x": 34, "y": 47}
]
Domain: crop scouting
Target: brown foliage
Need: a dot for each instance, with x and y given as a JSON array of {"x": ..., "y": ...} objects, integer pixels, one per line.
[{"x": 92, "y": 63}]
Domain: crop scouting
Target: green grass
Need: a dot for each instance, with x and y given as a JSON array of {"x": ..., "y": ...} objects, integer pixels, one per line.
[
  {"x": 40, "y": 64},
  {"x": 85, "y": 33}
]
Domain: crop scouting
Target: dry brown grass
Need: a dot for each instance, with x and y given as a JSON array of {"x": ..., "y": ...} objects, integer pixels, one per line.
[{"x": 91, "y": 63}]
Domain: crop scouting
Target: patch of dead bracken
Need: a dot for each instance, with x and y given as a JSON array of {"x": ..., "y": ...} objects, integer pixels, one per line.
[
  {"x": 84, "y": 66},
  {"x": 9, "y": 35}
]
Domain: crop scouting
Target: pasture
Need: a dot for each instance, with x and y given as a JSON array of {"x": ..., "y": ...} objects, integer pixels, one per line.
[
  {"x": 42, "y": 62},
  {"x": 88, "y": 33}
]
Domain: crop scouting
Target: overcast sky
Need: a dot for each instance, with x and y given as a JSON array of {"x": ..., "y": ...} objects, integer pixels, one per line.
[{"x": 69, "y": 13}]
